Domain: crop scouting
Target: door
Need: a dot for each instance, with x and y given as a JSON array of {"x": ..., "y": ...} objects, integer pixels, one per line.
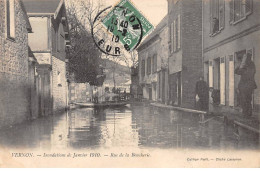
[{"x": 150, "y": 93}]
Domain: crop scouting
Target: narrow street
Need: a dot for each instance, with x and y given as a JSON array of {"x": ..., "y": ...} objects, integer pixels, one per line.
[{"x": 138, "y": 126}]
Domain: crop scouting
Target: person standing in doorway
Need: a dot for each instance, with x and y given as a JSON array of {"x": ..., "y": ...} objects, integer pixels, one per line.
[
  {"x": 247, "y": 83},
  {"x": 202, "y": 92}
]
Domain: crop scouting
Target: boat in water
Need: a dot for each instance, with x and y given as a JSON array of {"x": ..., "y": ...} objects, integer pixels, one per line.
[{"x": 102, "y": 104}]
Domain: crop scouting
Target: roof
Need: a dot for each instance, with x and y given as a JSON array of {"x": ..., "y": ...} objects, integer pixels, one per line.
[
  {"x": 156, "y": 31},
  {"x": 42, "y": 6}
]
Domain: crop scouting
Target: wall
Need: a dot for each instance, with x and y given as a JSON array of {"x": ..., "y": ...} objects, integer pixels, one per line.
[
  {"x": 191, "y": 38},
  {"x": 59, "y": 80},
  {"x": 175, "y": 58},
  {"x": 59, "y": 84},
  {"x": 151, "y": 79},
  {"x": 14, "y": 100},
  {"x": 229, "y": 29},
  {"x": 186, "y": 61},
  {"x": 246, "y": 42},
  {"x": 233, "y": 38}
]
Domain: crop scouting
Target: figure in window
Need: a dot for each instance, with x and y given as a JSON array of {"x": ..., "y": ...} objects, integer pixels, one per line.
[{"x": 215, "y": 25}]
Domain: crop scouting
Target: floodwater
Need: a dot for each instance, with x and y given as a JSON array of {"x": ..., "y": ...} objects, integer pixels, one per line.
[{"x": 137, "y": 126}]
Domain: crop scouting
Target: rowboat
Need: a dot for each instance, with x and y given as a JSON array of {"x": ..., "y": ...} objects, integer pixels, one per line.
[{"x": 102, "y": 104}]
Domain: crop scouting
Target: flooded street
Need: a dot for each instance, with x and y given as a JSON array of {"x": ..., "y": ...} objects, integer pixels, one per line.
[{"x": 134, "y": 126}]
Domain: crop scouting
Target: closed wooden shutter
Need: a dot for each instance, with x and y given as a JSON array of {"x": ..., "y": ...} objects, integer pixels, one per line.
[
  {"x": 210, "y": 74},
  {"x": 222, "y": 81}
]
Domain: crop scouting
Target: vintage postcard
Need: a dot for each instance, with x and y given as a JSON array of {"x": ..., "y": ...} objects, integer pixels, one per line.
[{"x": 129, "y": 83}]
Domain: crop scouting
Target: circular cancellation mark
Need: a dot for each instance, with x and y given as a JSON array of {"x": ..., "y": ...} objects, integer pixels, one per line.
[{"x": 118, "y": 29}]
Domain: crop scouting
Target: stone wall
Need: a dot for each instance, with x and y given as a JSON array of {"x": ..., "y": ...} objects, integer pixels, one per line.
[
  {"x": 14, "y": 99},
  {"x": 59, "y": 84}
]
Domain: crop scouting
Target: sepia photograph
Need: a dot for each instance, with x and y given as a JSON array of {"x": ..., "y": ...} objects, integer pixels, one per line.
[{"x": 129, "y": 83}]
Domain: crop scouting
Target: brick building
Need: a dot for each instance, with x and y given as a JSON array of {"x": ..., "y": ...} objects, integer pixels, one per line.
[
  {"x": 153, "y": 63},
  {"x": 230, "y": 30},
  {"x": 14, "y": 65},
  {"x": 185, "y": 50},
  {"x": 48, "y": 43}
]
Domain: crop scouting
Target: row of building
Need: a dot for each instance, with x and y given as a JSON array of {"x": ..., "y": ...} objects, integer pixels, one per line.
[
  {"x": 200, "y": 38},
  {"x": 33, "y": 41}
]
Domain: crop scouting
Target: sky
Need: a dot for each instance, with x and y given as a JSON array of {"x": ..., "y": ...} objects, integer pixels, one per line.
[{"x": 153, "y": 10}]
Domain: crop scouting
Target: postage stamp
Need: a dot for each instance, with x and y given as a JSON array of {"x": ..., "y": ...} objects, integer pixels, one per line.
[{"x": 127, "y": 25}]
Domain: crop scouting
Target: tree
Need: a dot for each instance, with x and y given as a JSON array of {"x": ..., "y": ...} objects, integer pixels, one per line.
[{"x": 84, "y": 57}]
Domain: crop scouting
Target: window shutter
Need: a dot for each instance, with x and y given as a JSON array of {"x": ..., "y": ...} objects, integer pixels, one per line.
[
  {"x": 222, "y": 81},
  {"x": 231, "y": 6},
  {"x": 174, "y": 35},
  {"x": 210, "y": 74},
  {"x": 211, "y": 16},
  {"x": 231, "y": 91},
  {"x": 248, "y": 6},
  {"x": 221, "y": 14},
  {"x": 12, "y": 18},
  {"x": 179, "y": 31},
  {"x": 171, "y": 37},
  {"x": 8, "y": 17}
]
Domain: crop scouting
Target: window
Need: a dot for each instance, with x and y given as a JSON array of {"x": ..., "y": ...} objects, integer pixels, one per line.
[
  {"x": 217, "y": 16},
  {"x": 143, "y": 68},
  {"x": 154, "y": 63},
  {"x": 10, "y": 18},
  {"x": 239, "y": 10},
  {"x": 149, "y": 63},
  {"x": 59, "y": 79},
  {"x": 175, "y": 34}
]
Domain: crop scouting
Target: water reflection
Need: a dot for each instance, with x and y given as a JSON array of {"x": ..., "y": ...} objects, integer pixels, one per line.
[{"x": 133, "y": 126}]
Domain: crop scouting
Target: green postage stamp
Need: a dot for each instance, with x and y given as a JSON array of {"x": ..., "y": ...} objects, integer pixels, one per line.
[{"x": 127, "y": 25}]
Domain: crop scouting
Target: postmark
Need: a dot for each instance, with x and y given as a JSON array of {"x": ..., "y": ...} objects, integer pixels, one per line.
[{"x": 124, "y": 27}]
